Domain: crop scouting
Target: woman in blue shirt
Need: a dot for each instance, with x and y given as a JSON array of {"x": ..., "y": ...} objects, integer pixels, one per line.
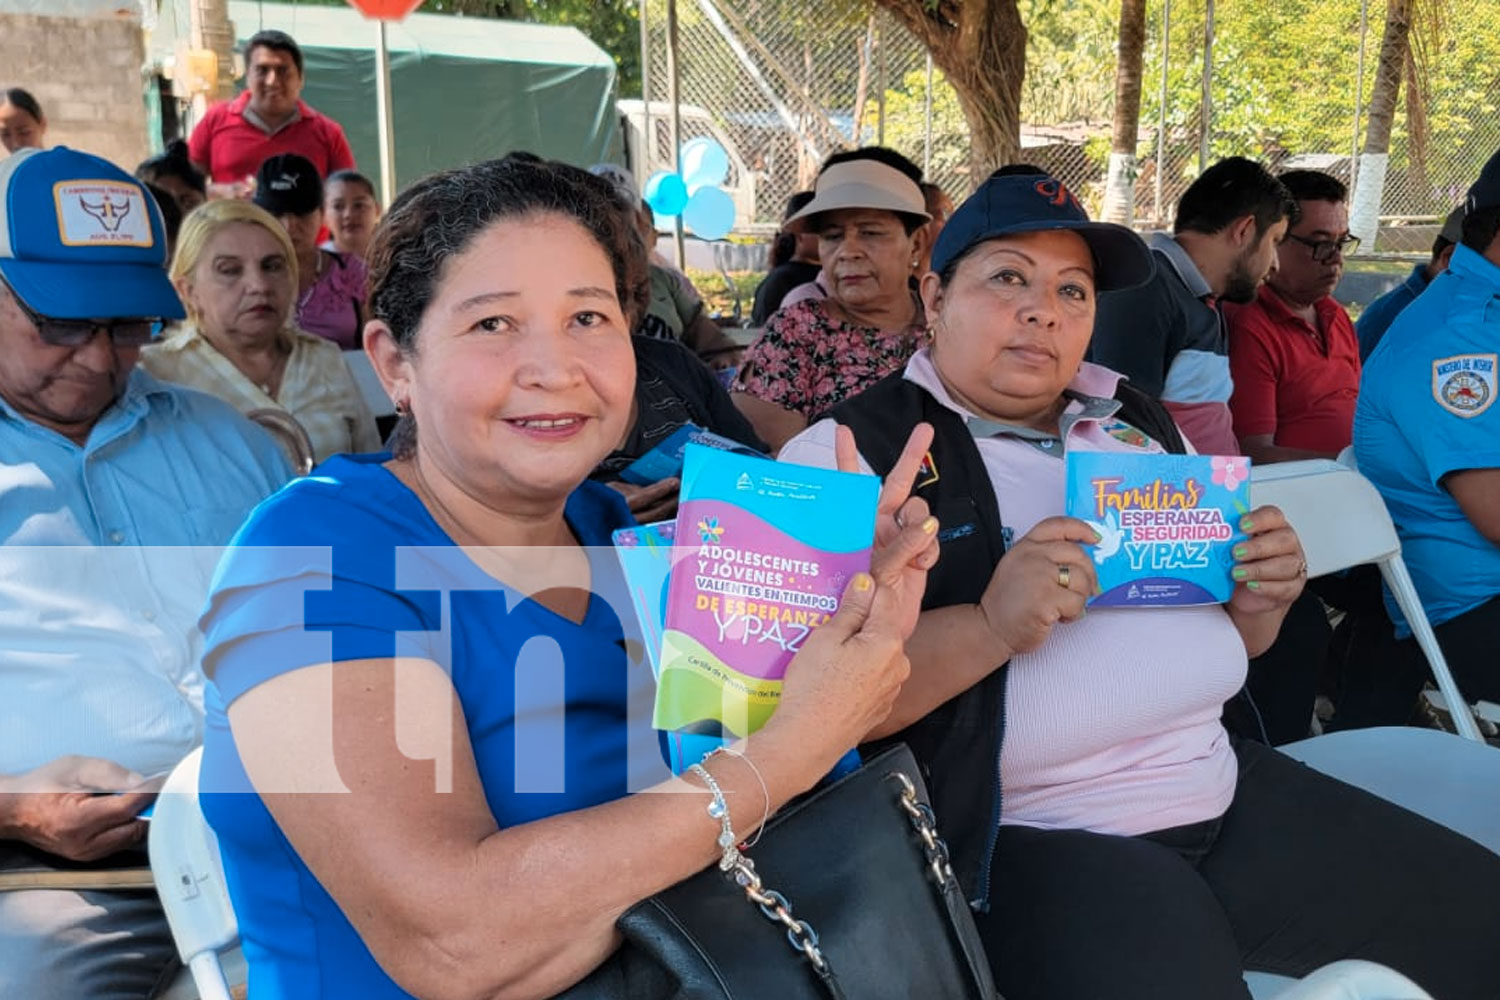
[{"x": 427, "y": 636}]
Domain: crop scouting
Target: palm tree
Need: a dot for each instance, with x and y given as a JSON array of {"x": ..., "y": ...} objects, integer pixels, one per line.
[
  {"x": 1364, "y": 220},
  {"x": 1119, "y": 190}
]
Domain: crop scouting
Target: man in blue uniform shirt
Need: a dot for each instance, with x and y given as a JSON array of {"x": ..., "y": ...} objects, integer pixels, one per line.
[
  {"x": 115, "y": 490},
  {"x": 1427, "y": 434}
]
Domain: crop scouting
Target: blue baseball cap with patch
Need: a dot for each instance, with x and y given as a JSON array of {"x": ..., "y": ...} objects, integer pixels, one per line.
[
  {"x": 1011, "y": 203},
  {"x": 82, "y": 239}
]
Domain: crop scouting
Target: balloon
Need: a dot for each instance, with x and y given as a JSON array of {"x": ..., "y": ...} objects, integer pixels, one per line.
[
  {"x": 666, "y": 194},
  {"x": 704, "y": 163},
  {"x": 709, "y": 213}
]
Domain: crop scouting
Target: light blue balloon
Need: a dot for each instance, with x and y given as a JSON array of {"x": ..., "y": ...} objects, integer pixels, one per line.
[
  {"x": 709, "y": 213},
  {"x": 704, "y": 163},
  {"x": 666, "y": 194}
]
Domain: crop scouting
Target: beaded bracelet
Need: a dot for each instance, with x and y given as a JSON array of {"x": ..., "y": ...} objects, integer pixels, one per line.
[
  {"x": 718, "y": 809},
  {"x": 765, "y": 813}
]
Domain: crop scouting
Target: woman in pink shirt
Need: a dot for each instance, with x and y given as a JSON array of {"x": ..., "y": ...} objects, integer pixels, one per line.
[{"x": 1116, "y": 841}]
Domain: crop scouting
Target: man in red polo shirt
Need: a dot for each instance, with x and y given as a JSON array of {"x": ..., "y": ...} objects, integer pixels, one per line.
[
  {"x": 236, "y": 137},
  {"x": 1293, "y": 353}
]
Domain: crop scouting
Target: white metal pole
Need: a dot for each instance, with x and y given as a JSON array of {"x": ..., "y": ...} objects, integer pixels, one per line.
[
  {"x": 1359, "y": 94},
  {"x": 674, "y": 84},
  {"x": 1206, "y": 124},
  {"x": 648, "y": 138},
  {"x": 927, "y": 122},
  {"x": 1161, "y": 109},
  {"x": 383, "y": 116}
]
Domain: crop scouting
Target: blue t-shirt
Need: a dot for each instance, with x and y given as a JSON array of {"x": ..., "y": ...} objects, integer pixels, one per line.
[
  {"x": 1426, "y": 408},
  {"x": 312, "y": 578},
  {"x": 1380, "y": 314}
]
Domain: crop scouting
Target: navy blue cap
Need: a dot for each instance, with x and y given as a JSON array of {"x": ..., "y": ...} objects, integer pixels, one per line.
[
  {"x": 1029, "y": 203},
  {"x": 1485, "y": 193}
]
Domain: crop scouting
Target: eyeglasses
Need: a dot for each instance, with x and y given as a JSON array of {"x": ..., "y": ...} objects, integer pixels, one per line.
[
  {"x": 1323, "y": 250},
  {"x": 133, "y": 332}
]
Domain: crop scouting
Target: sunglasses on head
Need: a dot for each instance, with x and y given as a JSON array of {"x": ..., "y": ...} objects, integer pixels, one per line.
[{"x": 131, "y": 332}]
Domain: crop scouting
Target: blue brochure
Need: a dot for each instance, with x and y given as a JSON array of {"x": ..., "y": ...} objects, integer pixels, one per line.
[
  {"x": 1168, "y": 524},
  {"x": 665, "y": 460}
]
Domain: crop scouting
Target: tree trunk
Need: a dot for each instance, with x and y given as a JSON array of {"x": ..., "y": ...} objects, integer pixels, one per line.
[
  {"x": 980, "y": 45},
  {"x": 1364, "y": 215},
  {"x": 1388, "y": 74},
  {"x": 1119, "y": 191}
]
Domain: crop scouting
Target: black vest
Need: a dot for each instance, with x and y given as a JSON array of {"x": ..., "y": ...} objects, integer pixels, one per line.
[{"x": 958, "y": 743}]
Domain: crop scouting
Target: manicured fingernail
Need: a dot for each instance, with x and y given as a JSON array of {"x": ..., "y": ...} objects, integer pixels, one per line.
[
  {"x": 1098, "y": 590},
  {"x": 1253, "y": 584},
  {"x": 1241, "y": 551},
  {"x": 1240, "y": 572},
  {"x": 1097, "y": 537},
  {"x": 863, "y": 581},
  {"x": 1246, "y": 523},
  {"x": 930, "y": 526}
]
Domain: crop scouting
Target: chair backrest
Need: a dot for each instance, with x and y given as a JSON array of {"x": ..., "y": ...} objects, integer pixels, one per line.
[
  {"x": 290, "y": 434},
  {"x": 189, "y": 874},
  {"x": 1337, "y": 513}
]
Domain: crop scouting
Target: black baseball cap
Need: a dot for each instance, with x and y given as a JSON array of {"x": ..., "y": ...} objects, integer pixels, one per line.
[
  {"x": 1031, "y": 202},
  {"x": 288, "y": 184}
]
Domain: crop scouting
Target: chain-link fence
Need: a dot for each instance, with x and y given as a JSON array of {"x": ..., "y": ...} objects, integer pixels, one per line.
[
  {"x": 783, "y": 83},
  {"x": 1292, "y": 84}
]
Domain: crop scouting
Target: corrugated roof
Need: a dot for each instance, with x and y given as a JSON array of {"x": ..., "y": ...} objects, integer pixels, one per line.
[{"x": 488, "y": 39}]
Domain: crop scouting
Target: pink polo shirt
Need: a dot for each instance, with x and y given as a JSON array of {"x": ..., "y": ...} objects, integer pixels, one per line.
[{"x": 1112, "y": 724}]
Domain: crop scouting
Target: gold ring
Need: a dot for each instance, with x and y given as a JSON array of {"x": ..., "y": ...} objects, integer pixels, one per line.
[{"x": 1064, "y": 576}]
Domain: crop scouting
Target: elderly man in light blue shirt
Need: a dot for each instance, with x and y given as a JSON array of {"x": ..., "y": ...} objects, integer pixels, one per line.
[{"x": 115, "y": 492}]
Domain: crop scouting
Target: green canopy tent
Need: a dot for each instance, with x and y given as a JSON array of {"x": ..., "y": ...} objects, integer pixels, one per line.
[{"x": 463, "y": 88}]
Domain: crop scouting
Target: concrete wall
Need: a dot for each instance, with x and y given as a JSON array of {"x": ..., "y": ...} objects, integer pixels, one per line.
[{"x": 86, "y": 73}]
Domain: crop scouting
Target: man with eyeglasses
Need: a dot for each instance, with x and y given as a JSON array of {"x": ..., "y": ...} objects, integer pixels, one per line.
[
  {"x": 1293, "y": 352},
  {"x": 115, "y": 492}
]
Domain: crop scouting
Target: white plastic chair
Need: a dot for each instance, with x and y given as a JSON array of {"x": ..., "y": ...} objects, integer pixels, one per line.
[
  {"x": 1342, "y": 522},
  {"x": 190, "y": 881},
  {"x": 1347, "y": 980}
]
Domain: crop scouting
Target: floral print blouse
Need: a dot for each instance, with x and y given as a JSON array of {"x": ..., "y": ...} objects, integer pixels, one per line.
[{"x": 808, "y": 361}]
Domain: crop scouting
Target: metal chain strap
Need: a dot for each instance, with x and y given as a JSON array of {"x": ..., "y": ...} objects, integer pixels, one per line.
[
  {"x": 924, "y": 821},
  {"x": 778, "y": 909}
]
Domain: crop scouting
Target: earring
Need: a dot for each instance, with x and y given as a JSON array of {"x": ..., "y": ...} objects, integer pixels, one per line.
[{"x": 403, "y": 408}]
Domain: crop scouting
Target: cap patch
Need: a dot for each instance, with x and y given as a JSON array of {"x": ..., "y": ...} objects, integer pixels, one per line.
[
  {"x": 102, "y": 213},
  {"x": 1056, "y": 192},
  {"x": 1464, "y": 384}
]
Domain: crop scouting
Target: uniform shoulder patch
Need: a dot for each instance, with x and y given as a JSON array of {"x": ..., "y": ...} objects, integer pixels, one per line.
[{"x": 1464, "y": 384}]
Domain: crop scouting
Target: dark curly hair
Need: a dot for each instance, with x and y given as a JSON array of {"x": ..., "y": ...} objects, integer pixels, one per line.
[{"x": 438, "y": 217}]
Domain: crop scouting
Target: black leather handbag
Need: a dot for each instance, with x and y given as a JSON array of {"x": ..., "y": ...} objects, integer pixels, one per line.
[{"x": 850, "y": 897}]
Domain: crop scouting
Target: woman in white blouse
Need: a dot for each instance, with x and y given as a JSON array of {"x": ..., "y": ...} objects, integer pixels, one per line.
[{"x": 237, "y": 274}]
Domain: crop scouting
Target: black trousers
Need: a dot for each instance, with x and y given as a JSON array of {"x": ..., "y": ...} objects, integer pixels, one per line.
[
  {"x": 1276, "y": 704},
  {"x": 1382, "y": 677},
  {"x": 1302, "y": 870}
]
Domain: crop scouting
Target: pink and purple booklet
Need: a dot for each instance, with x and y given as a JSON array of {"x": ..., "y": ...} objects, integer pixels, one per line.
[
  {"x": 1168, "y": 524},
  {"x": 763, "y": 553}
]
